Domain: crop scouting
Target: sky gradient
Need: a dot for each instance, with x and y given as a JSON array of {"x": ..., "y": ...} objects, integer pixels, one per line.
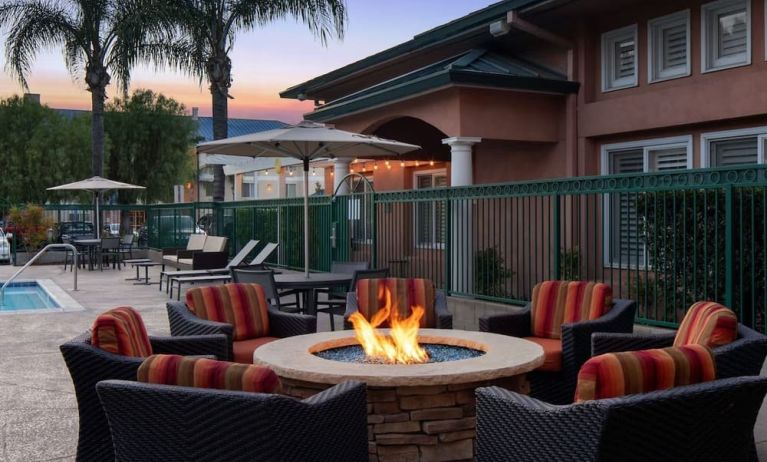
[{"x": 265, "y": 61}]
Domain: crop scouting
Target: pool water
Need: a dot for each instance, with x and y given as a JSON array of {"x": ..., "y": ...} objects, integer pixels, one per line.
[{"x": 26, "y": 296}]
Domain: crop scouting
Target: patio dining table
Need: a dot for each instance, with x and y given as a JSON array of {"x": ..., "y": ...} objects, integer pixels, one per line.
[
  {"x": 299, "y": 281},
  {"x": 90, "y": 245}
]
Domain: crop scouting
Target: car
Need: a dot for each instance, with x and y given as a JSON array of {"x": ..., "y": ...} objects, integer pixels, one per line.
[
  {"x": 68, "y": 230},
  {"x": 112, "y": 228},
  {"x": 5, "y": 247}
]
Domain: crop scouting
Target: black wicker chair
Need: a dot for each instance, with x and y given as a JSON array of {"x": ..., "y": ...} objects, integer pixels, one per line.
[
  {"x": 712, "y": 421},
  {"x": 170, "y": 423},
  {"x": 744, "y": 356},
  {"x": 89, "y": 365},
  {"x": 184, "y": 322},
  {"x": 559, "y": 387},
  {"x": 444, "y": 317}
]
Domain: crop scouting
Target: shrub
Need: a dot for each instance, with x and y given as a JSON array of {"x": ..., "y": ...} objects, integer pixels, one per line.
[
  {"x": 490, "y": 273},
  {"x": 32, "y": 225}
]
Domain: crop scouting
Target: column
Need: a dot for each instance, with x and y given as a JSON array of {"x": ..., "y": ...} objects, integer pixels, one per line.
[
  {"x": 340, "y": 170},
  {"x": 462, "y": 245}
]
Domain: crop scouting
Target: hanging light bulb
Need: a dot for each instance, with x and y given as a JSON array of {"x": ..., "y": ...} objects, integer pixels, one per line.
[
  {"x": 332, "y": 173},
  {"x": 402, "y": 164},
  {"x": 388, "y": 166},
  {"x": 387, "y": 163},
  {"x": 266, "y": 172},
  {"x": 314, "y": 172},
  {"x": 351, "y": 170},
  {"x": 431, "y": 163},
  {"x": 416, "y": 163},
  {"x": 290, "y": 171},
  {"x": 375, "y": 165}
]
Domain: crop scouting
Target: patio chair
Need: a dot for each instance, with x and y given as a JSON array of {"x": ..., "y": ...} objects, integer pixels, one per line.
[
  {"x": 337, "y": 306},
  {"x": 208, "y": 309},
  {"x": 561, "y": 318},
  {"x": 126, "y": 245},
  {"x": 367, "y": 298},
  {"x": 170, "y": 255},
  {"x": 109, "y": 250},
  {"x": 628, "y": 411},
  {"x": 738, "y": 350},
  {"x": 180, "y": 418},
  {"x": 235, "y": 261},
  {"x": 90, "y": 360},
  {"x": 265, "y": 278},
  {"x": 214, "y": 254}
]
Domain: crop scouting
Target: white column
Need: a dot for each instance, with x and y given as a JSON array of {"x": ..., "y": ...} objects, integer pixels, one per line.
[
  {"x": 340, "y": 170},
  {"x": 462, "y": 245}
]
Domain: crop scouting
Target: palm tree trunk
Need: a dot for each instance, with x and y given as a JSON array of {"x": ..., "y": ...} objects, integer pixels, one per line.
[
  {"x": 98, "y": 95},
  {"x": 220, "y": 130}
]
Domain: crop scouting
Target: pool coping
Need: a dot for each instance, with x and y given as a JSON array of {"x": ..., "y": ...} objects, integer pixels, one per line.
[{"x": 57, "y": 293}]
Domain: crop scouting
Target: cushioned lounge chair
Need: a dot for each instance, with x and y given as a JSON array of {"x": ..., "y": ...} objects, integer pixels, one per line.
[
  {"x": 235, "y": 261},
  {"x": 170, "y": 255}
]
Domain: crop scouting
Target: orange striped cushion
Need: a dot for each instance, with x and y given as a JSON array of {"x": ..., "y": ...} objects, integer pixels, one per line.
[
  {"x": 707, "y": 323},
  {"x": 188, "y": 371},
  {"x": 242, "y": 305},
  {"x": 405, "y": 293},
  {"x": 618, "y": 374},
  {"x": 121, "y": 331},
  {"x": 557, "y": 302}
]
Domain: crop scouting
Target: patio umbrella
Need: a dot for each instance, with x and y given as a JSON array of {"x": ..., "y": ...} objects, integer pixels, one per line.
[
  {"x": 96, "y": 185},
  {"x": 306, "y": 141}
]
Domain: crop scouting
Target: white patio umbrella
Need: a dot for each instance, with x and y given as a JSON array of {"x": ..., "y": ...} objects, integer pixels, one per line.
[
  {"x": 306, "y": 141},
  {"x": 96, "y": 185}
]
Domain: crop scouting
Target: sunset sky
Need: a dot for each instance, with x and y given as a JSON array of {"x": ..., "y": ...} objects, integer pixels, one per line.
[{"x": 265, "y": 61}]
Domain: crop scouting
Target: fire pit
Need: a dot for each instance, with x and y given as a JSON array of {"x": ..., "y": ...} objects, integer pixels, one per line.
[{"x": 416, "y": 411}]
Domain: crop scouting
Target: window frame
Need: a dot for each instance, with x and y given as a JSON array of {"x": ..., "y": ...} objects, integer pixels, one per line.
[
  {"x": 705, "y": 10},
  {"x": 707, "y": 138},
  {"x": 609, "y": 38},
  {"x": 647, "y": 146},
  {"x": 416, "y": 227},
  {"x": 658, "y": 24}
]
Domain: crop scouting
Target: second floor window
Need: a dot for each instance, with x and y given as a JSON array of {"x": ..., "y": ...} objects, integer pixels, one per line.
[
  {"x": 669, "y": 46},
  {"x": 726, "y": 34},
  {"x": 619, "y": 59}
]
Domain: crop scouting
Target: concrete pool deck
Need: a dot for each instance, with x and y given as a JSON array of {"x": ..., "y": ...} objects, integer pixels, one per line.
[{"x": 38, "y": 410}]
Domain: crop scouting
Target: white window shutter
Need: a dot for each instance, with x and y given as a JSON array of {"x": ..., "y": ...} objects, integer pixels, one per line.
[
  {"x": 668, "y": 159},
  {"x": 734, "y": 152},
  {"x": 674, "y": 40}
]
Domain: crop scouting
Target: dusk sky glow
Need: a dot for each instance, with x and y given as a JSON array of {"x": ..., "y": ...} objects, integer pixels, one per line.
[{"x": 266, "y": 61}]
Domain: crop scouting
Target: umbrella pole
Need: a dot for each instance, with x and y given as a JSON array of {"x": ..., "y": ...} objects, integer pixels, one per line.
[
  {"x": 306, "y": 217},
  {"x": 98, "y": 224}
]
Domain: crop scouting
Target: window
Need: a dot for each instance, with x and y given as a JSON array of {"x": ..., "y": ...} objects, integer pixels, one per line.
[
  {"x": 623, "y": 245},
  {"x": 430, "y": 216},
  {"x": 291, "y": 190},
  {"x": 619, "y": 60},
  {"x": 669, "y": 39},
  {"x": 734, "y": 147},
  {"x": 726, "y": 26},
  {"x": 248, "y": 186}
]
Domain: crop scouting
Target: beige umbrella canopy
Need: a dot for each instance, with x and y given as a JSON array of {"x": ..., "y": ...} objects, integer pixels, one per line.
[
  {"x": 307, "y": 141},
  {"x": 96, "y": 185}
]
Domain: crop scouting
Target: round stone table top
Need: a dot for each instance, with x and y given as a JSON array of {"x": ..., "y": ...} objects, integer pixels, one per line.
[{"x": 505, "y": 356}]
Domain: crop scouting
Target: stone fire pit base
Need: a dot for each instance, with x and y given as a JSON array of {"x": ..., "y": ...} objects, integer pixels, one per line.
[{"x": 418, "y": 423}]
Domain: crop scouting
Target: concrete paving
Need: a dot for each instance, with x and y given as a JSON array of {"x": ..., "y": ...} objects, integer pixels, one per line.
[{"x": 38, "y": 410}]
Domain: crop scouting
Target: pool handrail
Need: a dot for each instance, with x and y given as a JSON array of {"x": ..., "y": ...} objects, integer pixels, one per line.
[{"x": 33, "y": 259}]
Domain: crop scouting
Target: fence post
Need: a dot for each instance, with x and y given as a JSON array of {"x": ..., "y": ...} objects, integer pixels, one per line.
[
  {"x": 374, "y": 234},
  {"x": 556, "y": 238},
  {"x": 729, "y": 257},
  {"x": 448, "y": 253}
]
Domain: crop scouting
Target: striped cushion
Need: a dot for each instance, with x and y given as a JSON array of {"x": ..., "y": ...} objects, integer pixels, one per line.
[
  {"x": 121, "y": 331},
  {"x": 707, "y": 323},
  {"x": 405, "y": 293},
  {"x": 188, "y": 371},
  {"x": 242, "y": 305},
  {"x": 557, "y": 302},
  {"x": 617, "y": 374}
]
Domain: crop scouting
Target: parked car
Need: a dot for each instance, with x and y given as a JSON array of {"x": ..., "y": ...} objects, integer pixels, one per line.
[
  {"x": 112, "y": 228},
  {"x": 73, "y": 230},
  {"x": 5, "y": 247}
]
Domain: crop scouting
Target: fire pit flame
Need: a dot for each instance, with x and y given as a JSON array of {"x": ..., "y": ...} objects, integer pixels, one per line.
[{"x": 401, "y": 345}]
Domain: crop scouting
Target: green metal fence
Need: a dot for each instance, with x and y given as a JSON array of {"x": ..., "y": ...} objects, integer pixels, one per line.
[{"x": 663, "y": 239}]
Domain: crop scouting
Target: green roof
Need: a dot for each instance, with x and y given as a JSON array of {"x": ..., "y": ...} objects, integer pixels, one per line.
[
  {"x": 476, "y": 67},
  {"x": 436, "y": 36}
]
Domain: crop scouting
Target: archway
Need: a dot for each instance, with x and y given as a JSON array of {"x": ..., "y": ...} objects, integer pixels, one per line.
[{"x": 416, "y": 131}]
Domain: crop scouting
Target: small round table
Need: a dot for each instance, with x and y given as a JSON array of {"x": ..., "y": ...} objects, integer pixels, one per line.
[{"x": 299, "y": 281}]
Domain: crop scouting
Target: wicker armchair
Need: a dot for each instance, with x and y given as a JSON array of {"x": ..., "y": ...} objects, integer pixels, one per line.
[
  {"x": 711, "y": 421},
  {"x": 88, "y": 365},
  {"x": 559, "y": 387},
  {"x": 184, "y": 322},
  {"x": 161, "y": 422}
]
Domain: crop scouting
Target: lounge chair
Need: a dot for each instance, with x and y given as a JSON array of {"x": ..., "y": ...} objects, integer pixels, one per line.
[
  {"x": 171, "y": 255},
  {"x": 235, "y": 261},
  {"x": 214, "y": 254},
  {"x": 256, "y": 263}
]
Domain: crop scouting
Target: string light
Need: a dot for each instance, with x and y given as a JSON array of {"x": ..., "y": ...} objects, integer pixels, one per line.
[
  {"x": 402, "y": 164},
  {"x": 431, "y": 163},
  {"x": 314, "y": 172},
  {"x": 416, "y": 163},
  {"x": 290, "y": 171},
  {"x": 351, "y": 170},
  {"x": 332, "y": 173},
  {"x": 375, "y": 165}
]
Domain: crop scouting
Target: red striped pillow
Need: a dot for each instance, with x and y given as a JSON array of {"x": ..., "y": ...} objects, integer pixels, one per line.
[
  {"x": 707, "y": 323},
  {"x": 242, "y": 305},
  {"x": 207, "y": 373},
  {"x": 586, "y": 301},
  {"x": 547, "y": 308},
  {"x": 405, "y": 294},
  {"x": 618, "y": 374},
  {"x": 121, "y": 331}
]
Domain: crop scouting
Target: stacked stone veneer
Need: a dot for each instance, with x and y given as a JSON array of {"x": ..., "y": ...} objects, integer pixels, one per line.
[{"x": 418, "y": 423}]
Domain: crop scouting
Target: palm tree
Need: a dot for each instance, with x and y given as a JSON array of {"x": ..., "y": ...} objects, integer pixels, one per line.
[
  {"x": 99, "y": 38},
  {"x": 206, "y": 33}
]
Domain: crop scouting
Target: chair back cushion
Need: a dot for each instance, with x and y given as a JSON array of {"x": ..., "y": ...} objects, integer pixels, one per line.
[
  {"x": 214, "y": 244},
  {"x": 196, "y": 242},
  {"x": 243, "y": 306},
  {"x": 186, "y": 371},
  {"x": 557, "y": 302},
  {"x": 121, "y": 331},
  {"x": 707, "y": 323},
  {"x": 405, "y": 294},
  {"x": 618, "y": 374}
]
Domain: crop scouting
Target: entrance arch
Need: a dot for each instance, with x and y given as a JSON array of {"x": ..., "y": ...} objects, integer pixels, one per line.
[{"x": 415, "y": 131}]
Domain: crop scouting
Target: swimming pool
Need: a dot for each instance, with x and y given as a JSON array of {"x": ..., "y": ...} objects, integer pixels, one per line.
[{"x": 36, "y": 296}]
